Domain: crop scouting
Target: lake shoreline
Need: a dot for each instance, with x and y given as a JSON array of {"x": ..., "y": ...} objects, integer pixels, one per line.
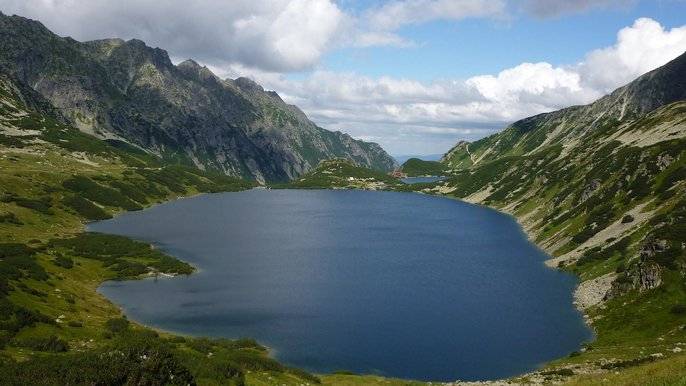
[
  {"x": 438, "y": 196},
  {"x": 585, "y": 296}
]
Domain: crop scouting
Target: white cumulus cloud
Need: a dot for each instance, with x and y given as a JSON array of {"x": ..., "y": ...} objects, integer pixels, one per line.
[
  {"x": 292, "y": 36},
  {"x": 640, "y": 48},
  {"x": 403, "y": 114},
  {"x": 277, "y": 35},
  {"x": 531, "y": 79}
]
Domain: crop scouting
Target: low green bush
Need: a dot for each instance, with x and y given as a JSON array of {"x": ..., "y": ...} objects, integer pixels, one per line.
[
  {"x": 679, "y": 309},
  {"x": 93, "y": 191},
  {"x": 123, "y": 256},
  {"x": 562, "y": 372},
  {"x": 131, "y": 191},
  {"x": 10, "y": 218},
  {"x": 117, "y": 325},
  {"x": 202, "y": 345},
  {"x": 624, "y": 279},
  {"x": 63, "y": 261},
  {"x": 85, "y": 208},
  {"x": 627, "y": 363},
  {"x": 627, "y": 219},
  {"x": 137, "y": 362},
  {"x": 43, "y": 205},
  {"x": 39, "y": 206},
  {"x": 255, "y": 362},
  {"x": 50, "y": 344},
  {"x": 19, "y": 260}
]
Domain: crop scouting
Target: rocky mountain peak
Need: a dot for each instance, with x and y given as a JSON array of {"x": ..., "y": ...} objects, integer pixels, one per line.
[
  {"x": 248, "y": 85},
  {"x": 127, "y": 90},
  {"x": 193, "y": 69},
  {"x": 650, "y": 91},
  {"x": 274, "y": 95},
  {"x": 190, "y": 64},
  {"x": 22, "y": 22}
]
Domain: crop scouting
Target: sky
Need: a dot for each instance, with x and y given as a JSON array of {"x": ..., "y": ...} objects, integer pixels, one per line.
[{"x": 415, "y": 76}]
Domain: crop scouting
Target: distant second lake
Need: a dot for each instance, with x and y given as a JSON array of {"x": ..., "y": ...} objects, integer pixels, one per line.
[
  {"x": 419, "y": 180},
  {"x": 395, "y": 284}
]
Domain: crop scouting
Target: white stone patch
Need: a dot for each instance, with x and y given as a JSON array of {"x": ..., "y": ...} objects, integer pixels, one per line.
[
  {"x": 591, "y": 292},
  {"x": 441, "y": 189},
  {"x": 83, "y": 158},
  {"x": 663, "y": 132},
  {"x": 615, "y": 230},
  {"x": 14, "y": 132},
  {"x": 480, "y": 196}
]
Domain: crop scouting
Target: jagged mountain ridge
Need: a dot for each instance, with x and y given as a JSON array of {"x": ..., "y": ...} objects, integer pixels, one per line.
[{"x": 126, "y": 90}]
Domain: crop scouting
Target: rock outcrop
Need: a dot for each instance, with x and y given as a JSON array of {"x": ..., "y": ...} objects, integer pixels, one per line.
[{"x": 643, "y": 274}]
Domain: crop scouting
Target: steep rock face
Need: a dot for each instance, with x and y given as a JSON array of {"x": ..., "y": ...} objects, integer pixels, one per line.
[
  {"x": 126, "y": 90},
  {"x": 643, "y": 276},
  {"x": 17, "y": 100},
  {"x": 649, "y": 276}
]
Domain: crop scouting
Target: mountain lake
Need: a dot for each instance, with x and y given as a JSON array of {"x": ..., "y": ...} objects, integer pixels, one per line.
[
  {"x": 395, "y": 284},
  {"x": 419, "y": 180}
]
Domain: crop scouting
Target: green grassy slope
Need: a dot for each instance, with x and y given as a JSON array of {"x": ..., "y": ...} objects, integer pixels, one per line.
[
  {"x": 54, "y": 327},
  {"x": 415, "y": 167},
  {"x": 342, "y": 174}
]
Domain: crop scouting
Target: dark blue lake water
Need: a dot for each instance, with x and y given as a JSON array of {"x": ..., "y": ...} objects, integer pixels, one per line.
[
  {"x": 396, "y": 284},
  {"x": 417, "y": 180}
]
